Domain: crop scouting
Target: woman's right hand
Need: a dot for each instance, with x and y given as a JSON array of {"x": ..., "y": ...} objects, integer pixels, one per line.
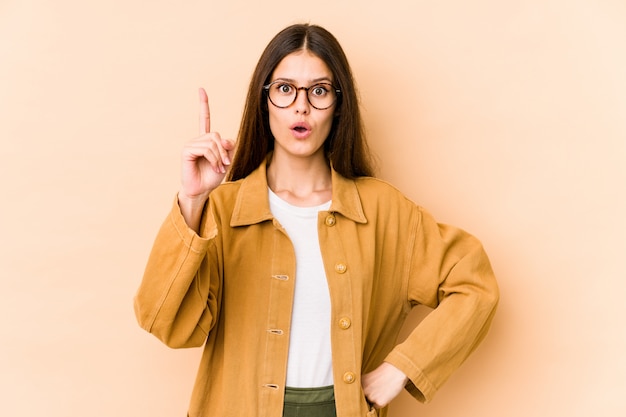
[{"x": 205, "y": 161}]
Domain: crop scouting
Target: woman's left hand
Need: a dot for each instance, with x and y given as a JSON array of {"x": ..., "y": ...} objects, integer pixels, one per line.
[{"x": 383, "y": 384}]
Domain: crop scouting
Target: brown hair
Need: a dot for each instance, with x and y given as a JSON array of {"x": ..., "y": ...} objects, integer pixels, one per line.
[{"x": 346, "y": 147}]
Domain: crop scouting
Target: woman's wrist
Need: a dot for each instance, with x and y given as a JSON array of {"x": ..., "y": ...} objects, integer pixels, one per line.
[{"x": 191, "y": 209}]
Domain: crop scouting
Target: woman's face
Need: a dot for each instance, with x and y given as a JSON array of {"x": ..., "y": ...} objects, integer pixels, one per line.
[{"x": 300, "y": 129}]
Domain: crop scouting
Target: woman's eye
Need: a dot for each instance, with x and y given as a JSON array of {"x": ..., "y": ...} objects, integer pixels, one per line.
[
  {"x": 319, "y": 90},
  {"x": 285, "y": 88}
]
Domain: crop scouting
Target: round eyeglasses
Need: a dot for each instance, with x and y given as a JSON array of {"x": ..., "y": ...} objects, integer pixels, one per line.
[{"x": 283, "y": 94}]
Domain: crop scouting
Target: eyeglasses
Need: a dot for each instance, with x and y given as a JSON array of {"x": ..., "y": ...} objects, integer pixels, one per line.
[{"x": 283, "y": 94}]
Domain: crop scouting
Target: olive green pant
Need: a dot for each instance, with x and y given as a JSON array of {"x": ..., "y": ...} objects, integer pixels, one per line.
[{"x": 309, "y": 402}]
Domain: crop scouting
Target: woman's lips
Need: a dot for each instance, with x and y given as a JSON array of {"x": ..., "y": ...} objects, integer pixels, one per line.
[{"x": 301, "y": 130}]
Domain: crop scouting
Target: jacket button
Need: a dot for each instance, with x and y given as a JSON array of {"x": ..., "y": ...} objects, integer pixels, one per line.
[
  {"x": 330, "y": 220},
  {"x": 341, "y": 268},
  {"x": 344, "y": 323},
  {"x": 349, "y": 377}
]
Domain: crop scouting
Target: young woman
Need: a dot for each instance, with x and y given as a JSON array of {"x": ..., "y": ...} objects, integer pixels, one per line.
[{"x": 297, "y": 272}]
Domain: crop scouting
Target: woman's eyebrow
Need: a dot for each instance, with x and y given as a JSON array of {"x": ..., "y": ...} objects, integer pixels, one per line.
[
  {"x": 317, "y": 80},
  {"x": 313, "y": 81}
]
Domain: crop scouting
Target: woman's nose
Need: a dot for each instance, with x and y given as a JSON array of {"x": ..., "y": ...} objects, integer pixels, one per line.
[{"x": 302, "y": 104}]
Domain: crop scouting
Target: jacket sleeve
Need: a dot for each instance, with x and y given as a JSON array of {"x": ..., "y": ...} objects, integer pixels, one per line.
[
  {"x": 450, "y": 272},
  {"x": 178, "y": 297}
]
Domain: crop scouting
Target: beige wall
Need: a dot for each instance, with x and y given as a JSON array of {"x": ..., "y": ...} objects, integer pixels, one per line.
[{"x": 507, "y": 118}]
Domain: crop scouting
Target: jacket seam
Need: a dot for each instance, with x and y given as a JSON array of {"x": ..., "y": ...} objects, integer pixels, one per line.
[
  {"x": 183, "y": 256},
  {"x": 410, "y": 252}
]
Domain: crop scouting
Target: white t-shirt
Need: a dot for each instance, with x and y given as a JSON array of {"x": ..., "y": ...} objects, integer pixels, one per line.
[{"x": 310, "y": 360}]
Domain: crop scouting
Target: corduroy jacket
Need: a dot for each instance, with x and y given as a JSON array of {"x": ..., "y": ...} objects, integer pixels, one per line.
[{"x": 230, "y": 289}]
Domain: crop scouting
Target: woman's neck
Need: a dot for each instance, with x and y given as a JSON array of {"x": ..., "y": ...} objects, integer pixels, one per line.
[{"x": 300, "y": 181}]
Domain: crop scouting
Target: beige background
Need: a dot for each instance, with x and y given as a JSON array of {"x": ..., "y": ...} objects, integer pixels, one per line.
[{"x": 507, "y": 118}]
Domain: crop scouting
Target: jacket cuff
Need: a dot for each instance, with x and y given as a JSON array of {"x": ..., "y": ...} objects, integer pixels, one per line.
[
  {"x": 419, "y": 386},
  {"x": 194, "y": 241}
]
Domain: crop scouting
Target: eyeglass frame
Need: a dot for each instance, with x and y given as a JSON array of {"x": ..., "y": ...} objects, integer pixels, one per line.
[{"x": 266, "y": 88}]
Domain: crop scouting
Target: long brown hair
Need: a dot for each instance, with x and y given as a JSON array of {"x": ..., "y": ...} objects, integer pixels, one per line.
[{"x": 345, "y": 147}]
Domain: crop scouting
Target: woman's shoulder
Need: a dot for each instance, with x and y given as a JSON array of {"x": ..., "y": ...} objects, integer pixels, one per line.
[
  {"x": 227, "y": 189},
  {"x": 385, "y": 199},
  {"x": 378, "y": 189}
]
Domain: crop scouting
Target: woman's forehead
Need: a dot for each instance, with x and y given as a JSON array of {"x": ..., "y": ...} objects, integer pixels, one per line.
[{"x": 302, "y": 66}]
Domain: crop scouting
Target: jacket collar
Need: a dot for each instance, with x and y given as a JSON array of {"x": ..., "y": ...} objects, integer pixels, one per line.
[{"x": 252, "y": 204}]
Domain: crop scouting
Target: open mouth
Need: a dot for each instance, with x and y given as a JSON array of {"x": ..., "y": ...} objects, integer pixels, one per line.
[{"x": 301, "y": 130}]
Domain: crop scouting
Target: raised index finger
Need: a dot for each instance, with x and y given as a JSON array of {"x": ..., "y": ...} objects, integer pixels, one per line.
[{"x": 205, "y": 113}]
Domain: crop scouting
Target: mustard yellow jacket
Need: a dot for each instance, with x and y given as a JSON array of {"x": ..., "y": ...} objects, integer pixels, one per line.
[{"x": 230, "y": 288}]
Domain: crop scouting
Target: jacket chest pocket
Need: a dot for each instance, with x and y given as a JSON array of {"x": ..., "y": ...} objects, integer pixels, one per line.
[{"x": 372, "y": 413}]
